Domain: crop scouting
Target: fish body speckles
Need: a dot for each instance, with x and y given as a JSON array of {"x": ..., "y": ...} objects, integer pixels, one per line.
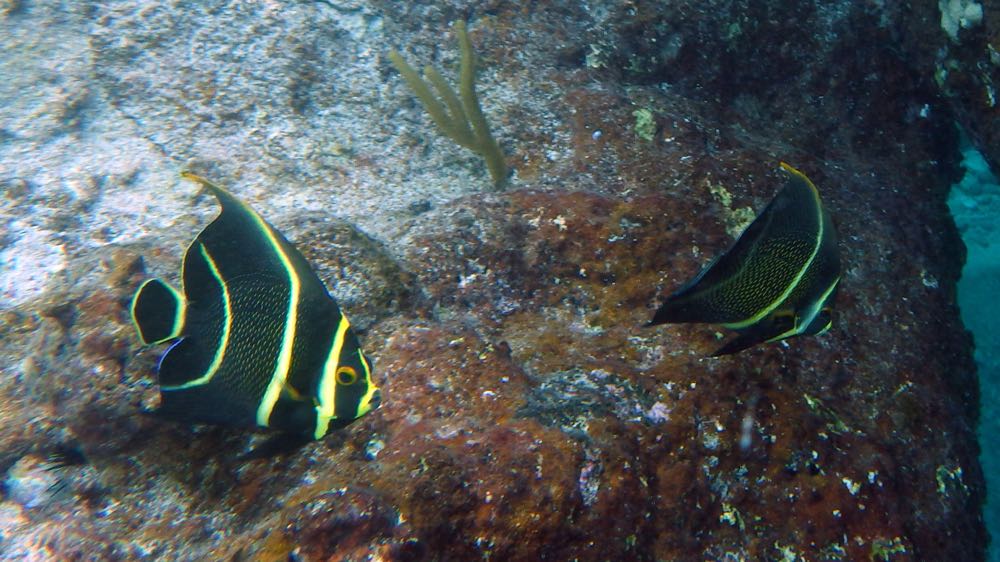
[
  {"x": 778, "y": 280},
  {"x": 256, "y": 338}
]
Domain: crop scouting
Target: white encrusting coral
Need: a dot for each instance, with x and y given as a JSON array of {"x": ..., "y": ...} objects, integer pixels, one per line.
[
  {"x": 30, "y": 265},
  {"x": 29, "y": 482},
  {"x": 959, "y": 14}
]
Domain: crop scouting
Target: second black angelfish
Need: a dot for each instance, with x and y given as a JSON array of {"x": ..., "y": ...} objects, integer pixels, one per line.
[{"x": 778, "y": 280}]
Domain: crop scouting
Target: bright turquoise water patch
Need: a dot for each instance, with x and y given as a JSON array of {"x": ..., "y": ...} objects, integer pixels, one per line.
[{"x": 975, "y": 204}]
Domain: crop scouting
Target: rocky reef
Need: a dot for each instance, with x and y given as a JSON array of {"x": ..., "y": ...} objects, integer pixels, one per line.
[{"x": 527, "y": 412}]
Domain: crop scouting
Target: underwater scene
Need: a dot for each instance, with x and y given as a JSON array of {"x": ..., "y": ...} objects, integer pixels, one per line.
[{"x": 361, "y": 280}]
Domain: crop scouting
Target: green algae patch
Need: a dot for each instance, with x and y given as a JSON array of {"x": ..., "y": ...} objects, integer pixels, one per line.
[
  {"x": 736, "y": 220},
  {"x": 645, "y": 124}
]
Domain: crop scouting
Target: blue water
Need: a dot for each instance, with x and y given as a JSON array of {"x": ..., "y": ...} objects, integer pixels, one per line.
[{"x": 975, "y": 204}]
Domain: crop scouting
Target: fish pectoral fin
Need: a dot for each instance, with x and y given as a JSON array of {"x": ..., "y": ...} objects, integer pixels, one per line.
[
  {"x": 777, "y": 326},
  {"x": 291, "y": 393},
  {"x": 281, "y": 444},
  {"x": 737, "y": 344},
  {"x": 674, "y": 311},
  {"x": 184, "y": 365},
  {"x": 158, "y": 312},
  {"x": 781, "y": 321},
  {"x": 820, "y": 323}
]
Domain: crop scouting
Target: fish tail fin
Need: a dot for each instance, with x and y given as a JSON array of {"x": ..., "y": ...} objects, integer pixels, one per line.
[{"x": 158, "y": 312}]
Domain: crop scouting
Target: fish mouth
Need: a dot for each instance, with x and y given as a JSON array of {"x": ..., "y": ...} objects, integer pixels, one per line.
[{"x": 376, "y": 400}]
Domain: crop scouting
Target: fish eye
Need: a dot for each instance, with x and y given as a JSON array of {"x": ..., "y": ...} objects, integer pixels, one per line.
[{"x": 346, "y": 375}]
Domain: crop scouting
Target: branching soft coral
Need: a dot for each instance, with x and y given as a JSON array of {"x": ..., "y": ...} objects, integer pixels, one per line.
[{"x": 460, "y": 117}]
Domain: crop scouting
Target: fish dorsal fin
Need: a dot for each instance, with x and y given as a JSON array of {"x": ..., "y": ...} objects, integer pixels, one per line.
[
  {"x": 242, "y": 243},
  {"x": 158, "y": 312}
]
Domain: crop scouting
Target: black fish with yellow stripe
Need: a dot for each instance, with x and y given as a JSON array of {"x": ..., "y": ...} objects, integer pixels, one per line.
[
  {"x": 778, "y": 280},
  {"x": 257, "y": 340}
]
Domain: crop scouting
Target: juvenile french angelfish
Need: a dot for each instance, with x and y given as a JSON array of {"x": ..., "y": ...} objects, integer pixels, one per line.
[
  {"x": 778, "y": 280},
  {"x": 257, "y": 340}
]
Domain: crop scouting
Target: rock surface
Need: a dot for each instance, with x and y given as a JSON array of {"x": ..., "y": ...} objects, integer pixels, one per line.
[{"x": 527, "y": 413}]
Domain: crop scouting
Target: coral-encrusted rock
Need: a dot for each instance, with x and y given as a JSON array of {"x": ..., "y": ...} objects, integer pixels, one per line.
[
  {"x": 527, "y": 412},
  {"x": 361, "y": 275},
  {"x": 816, "y": 77},
  {"x": 965, "y": 66},
  {"x": 350, "y": 523},
  {"x": 824, "y": 432}
]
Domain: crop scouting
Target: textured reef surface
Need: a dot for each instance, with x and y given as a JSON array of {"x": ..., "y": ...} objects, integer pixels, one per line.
[{"x": 527, "y": 413}]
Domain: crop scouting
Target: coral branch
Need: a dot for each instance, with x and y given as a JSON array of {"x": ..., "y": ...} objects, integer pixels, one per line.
[{"x": 460, "y": 117}]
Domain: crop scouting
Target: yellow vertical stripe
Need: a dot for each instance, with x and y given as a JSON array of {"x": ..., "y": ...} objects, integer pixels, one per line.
[
  {"x": 280, "y": 374},
  {"x": 220, "y": 349},
  {"x": 181, "y": 312},
  {"x": 327, "y": 395},
  {"x": 798, "y": 276},
  {"x": 365, "y": 405}
]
